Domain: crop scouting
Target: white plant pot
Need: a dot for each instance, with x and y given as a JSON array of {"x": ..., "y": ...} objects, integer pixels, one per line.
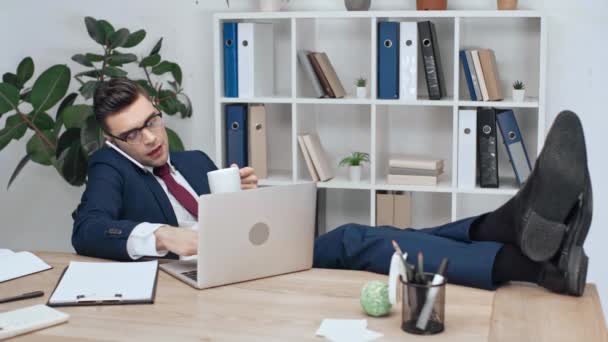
[
  {"x": 273, "y": 5},
  {"x": 355, "y": 173},
  {"x": 361, "y": 92},
  {"x": 519, "y": 95}
]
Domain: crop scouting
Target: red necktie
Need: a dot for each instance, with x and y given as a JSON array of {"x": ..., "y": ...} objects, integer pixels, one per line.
[{"x": 179, "y": 192}]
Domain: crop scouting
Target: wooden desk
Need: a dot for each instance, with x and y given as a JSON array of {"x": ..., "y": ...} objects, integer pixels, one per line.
[{"x": 291, "y": 307}]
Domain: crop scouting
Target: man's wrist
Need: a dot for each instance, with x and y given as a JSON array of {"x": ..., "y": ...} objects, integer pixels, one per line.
[{"x": 161, "y": 235}]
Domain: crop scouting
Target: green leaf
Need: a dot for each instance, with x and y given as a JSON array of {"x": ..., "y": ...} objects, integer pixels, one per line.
[
  {"x": 150, "y": 61},
  {"x": 9, "y": 98},
  {"x": 90, "y": 73},
  {"x": 118, "y": 38},
  {"x": 162, "y": 68},
  {"x": 175, "y": 143},
  {"x": 107, "y": 29},
  {"x": 114, "y": 72},
  {"x": 135, "y": 38},
  {"x": 12, "y": 79},
  {"x": 156, "y": 47},
  {"x": 177, "y": 73},
  {"x": 38, "y": 151},
  {"x": 66, "y": 140},
  {"x": 18, "y": 169},
  {"x": 149, "y": 89},
  {"x": 50, "y": 87},
  {"x": 118, "y": 59},
  {"x": 91, "y": 136},
  {"x": 73, "y": 165},
  {"x": 82, "y": 60},
  {"x": 25, "y": 96},
  {"x": 25, "y": 70},
  {"x": 94, "y": 57},
  {"x": 185, "y": 106},
  {"x": 67, "y": 101},
  {"x": 16, "y": 126},
  {"x": 43, "y": 121},
  {"x": 88, "y": 89},
  {"x": 74, "y": 116},
  {"x": 95, "y": 30}
]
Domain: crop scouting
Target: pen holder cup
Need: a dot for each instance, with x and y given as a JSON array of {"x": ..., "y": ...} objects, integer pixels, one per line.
[{"x": 423, "y": 306}]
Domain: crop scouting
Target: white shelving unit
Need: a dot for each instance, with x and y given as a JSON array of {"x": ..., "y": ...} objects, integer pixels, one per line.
[{"x": 384, "y": 127}]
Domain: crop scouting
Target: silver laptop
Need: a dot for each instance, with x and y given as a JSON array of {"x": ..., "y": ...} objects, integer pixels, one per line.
[{"x": 251, "y": 234}]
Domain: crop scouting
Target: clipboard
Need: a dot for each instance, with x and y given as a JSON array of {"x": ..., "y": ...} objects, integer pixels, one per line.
[{"x": 118, "y": 289}]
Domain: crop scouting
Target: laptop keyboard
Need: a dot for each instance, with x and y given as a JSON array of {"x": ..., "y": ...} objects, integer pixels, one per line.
[{"x": 191, "y": 274}]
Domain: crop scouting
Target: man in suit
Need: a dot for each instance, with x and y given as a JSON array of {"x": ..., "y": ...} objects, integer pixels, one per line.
[
  {"x": 128, "y": 211},
  {"x": 144, "y": 206}
]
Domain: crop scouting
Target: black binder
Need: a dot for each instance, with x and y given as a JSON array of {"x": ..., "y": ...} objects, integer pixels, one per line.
[
  {"x": 487, "y": 150},
  {"x": 431, "y": 60}
]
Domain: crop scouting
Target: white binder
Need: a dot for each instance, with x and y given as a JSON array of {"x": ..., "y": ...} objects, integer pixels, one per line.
[
  {"x": 256, "y": 59},
  {"x": 467, "y": 148},
  {"x": 408, "y": 61}
]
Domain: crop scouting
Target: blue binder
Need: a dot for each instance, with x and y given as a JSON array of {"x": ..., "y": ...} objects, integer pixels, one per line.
[
  {"x": 388, "y": 60},
  {"x": 467, "y": 74},
  {"x": 511, "y": 135},
  {"x": 231, "y": 79},
  {"x": 236, "y": 135}
]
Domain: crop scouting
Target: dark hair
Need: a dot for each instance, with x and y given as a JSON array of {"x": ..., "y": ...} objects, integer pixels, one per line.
[{"x": 113, "y": 96}]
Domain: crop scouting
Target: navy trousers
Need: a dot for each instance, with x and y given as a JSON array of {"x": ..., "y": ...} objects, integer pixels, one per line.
[{"x": 366, "y": 248}]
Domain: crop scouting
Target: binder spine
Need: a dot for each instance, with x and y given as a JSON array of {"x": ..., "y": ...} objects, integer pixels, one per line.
[
  {"x": 487, "y": 148},
  {"x": 236, "y": 135},
  {"x": 518, "y": 155},
  {"x": 388, "y": 60},
  {"x": 431, "y": 60},
  {"x": 231, "y": 86},
  {"x": 408, "y": 61}
]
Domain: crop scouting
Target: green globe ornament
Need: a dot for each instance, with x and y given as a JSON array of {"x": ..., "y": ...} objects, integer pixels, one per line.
[{"x": 374, "y": 298}]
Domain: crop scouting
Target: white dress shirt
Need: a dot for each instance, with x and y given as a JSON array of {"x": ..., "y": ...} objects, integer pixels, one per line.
[{"x": 142, "y": 241}]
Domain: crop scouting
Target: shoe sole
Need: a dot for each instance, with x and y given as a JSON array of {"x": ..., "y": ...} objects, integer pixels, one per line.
[
  {"x": 576, "y": 275},
  {"x": 579, "y": 228},
  {"x": 561, "y": 185}
]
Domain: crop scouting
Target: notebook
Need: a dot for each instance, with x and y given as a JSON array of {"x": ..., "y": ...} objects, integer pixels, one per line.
[
  {"x": 17, "y": 265},
  {"x": 106, "y": 283}
]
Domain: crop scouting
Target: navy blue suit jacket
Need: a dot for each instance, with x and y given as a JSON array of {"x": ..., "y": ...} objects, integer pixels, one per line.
[{"x": 119, "y": 195}]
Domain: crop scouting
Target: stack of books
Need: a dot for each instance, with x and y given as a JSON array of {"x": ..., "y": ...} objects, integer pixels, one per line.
[
  {"x": 481, "y": 74},
  {"x": 315, "y": 157},
  {"x": 321, "y": 73},
  {"x": 414, "y": 170}
]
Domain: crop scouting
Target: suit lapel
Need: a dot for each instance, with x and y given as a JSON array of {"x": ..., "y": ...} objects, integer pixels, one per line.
[
  {"x": 161, "y": 198},
  {"x": 194, "y": 176}
]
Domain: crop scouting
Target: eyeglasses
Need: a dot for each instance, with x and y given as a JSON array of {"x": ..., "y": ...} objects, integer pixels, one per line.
[{"x": 136, "y": 136}]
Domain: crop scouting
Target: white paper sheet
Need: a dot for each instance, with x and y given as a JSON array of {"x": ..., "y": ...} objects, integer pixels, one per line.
[
  {"x": 85, "y": 281},
  {"x": 15, "y": 265},
  {"x": 343, "y": 330}
]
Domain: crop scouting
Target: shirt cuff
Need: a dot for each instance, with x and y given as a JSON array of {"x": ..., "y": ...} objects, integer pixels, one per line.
[{"x": 142, "y": 241}]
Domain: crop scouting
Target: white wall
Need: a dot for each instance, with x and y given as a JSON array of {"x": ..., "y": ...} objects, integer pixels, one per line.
[{"x": 35, "y": 212}]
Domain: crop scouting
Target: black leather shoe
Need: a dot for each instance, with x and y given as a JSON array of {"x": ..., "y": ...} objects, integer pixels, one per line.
[
  {"x": 572, "y": 279},
  {"x": 558, "y": 184}
]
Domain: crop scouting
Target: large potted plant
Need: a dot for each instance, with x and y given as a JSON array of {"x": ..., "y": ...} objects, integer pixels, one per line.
[{"x": 66, "y": 138}]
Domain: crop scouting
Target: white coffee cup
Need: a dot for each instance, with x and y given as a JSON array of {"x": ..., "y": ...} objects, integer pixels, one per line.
[{"x": 224, "y": 180}]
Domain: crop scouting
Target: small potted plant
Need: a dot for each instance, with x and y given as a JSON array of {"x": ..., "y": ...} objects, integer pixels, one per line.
[
  {"x": 508, "y": 5},
  {"x": 519, "y": 91},
  {"x": 361, "y": 87},
  {"x": 355, "y": 161}
]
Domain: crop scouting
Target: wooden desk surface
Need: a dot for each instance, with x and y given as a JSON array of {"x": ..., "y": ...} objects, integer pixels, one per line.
[{"x": 291, "y": 307}]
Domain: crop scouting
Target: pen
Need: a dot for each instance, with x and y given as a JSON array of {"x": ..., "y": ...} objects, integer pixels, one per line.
[
  {"x": 22, "y": 296},
  {"x": 421, "y": 277},
  {"x": 408, "y": 270}
]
